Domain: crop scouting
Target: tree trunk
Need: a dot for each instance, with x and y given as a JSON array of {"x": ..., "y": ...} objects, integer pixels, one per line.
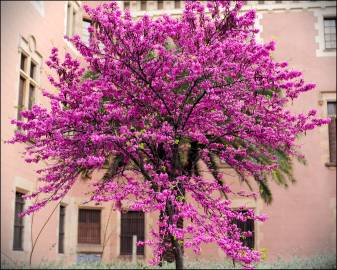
[{"x": 179, "y": 256}]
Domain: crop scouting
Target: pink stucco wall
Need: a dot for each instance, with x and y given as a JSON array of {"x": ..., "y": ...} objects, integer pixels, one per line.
[
  {"x": 302, "y": 218},
  {"x": 20, "y": 18}
]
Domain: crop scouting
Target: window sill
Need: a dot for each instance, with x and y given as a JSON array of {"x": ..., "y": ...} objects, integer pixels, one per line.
[{"x": 330, "y": 164}]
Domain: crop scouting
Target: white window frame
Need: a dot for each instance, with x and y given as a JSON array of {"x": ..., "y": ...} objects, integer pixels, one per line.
[
  {"x": 320, "y": 14},
  {"x": 25, "y": 186},
  {"x": 28, "y": 48}
]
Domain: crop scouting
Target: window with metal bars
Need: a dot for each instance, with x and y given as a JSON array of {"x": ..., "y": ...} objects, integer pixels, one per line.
[
  {"x": 330, "y": 33},
  {"x": 246, "y": 226},
  {"x": 18, "y": 222},
  {"x": 132, "y": 223},
  {"x": 61, "y": 228},
  {"x": 89, "y": 226},
  {"x": 332, "y": 131}
]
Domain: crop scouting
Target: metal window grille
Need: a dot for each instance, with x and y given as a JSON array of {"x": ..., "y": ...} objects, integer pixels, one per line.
[
  {"x": 132, "y": 223},
  {"x": 61, "y": 228},
  {"x": 248, "y": 225},
  {"x": 18, "y": 222},
  {"x": 89, "y": 226},
  {"x": 330, "y": 33}
]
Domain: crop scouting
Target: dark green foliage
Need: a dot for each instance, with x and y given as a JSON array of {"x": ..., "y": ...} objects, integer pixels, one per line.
[{"x": 90, "y": 75}]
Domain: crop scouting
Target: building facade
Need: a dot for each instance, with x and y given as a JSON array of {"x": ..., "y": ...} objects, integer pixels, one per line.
[{"x": 302, "y": 218}]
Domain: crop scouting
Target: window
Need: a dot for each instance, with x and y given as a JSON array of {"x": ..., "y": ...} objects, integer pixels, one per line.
[
  {"x": 61, "y": 228},
  {"x": 86, "y": 23},
  {"x": 160, "y": 4},
  {"x": 18, "y": 222},
  {"x": 332, "y": 131},
  {"x": 330, "y": 33},
  {"x": 126, "y": 5},
  {"x": 27, "y": 83},
  {"x": 326, "y": 34},
  {"x": 132, "y": 223},
  {"x": 73, "y": 18},
  {"x": 248, "y": 225},
  {"x": 89, "y": 226},
  {"x": 176, "y": 4},
  {"x": 142, "y": 5}
]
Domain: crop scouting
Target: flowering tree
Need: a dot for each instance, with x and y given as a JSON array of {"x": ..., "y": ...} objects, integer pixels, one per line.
[{"x": 160, "y": 99}]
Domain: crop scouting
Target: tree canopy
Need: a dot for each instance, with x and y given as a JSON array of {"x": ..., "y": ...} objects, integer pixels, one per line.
[{"x": 153, "y": 100}]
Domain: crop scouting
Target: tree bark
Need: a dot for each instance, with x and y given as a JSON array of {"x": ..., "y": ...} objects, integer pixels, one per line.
[{"x": 178, "y": 254}]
